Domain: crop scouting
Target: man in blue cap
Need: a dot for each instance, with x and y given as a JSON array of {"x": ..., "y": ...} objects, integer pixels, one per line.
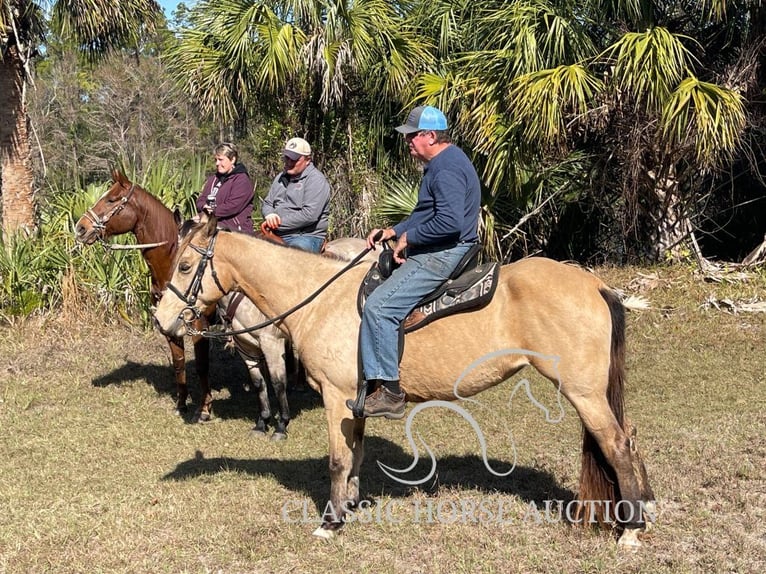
[{"x": 439, "y": 231}]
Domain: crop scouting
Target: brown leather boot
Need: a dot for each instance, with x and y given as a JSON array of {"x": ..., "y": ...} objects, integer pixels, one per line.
[{"x": 384, "y": 403}]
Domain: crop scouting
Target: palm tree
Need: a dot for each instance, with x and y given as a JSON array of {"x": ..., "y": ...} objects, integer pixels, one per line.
[
  {"x": 534, "y": 81},
  {"x": 492, "y": 53},
  {"x": 318, "y": 55},
  {"x": 332, "y": 71},
  {"x": 96, "y": 27}
]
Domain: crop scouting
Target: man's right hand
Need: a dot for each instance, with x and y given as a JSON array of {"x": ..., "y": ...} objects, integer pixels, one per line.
[
  {"x": 273, "y": 220},
  {"x": 379, "y": 236}
]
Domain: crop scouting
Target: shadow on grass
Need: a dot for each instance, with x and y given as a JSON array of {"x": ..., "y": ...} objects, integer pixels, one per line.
[
  {"x": 159, "y": 377},
  {"x": 227, "y": 371},
  {"x": 311, "y": 478}
]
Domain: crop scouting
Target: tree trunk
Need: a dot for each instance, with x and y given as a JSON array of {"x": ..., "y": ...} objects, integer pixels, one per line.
[
  {"x": 671, "y": 225},
  {"x": 18, "y": 197}
]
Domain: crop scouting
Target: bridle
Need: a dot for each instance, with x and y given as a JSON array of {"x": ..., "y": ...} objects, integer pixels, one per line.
[
  {"x": 190, "y": 296},
  {"x": 99, "y": 222},
  {"x": 195, "y": 288}
]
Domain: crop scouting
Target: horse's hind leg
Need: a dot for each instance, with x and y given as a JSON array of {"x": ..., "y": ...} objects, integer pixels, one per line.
[
  {"x": 255, "y": 368},
  {"x": 606, "y": 443},
  {"x": 273, "y": 346},
  {"x": 179, "y": 368},
  {"x": 295, "y": 373},
  {"x": 647, "y": 494}
]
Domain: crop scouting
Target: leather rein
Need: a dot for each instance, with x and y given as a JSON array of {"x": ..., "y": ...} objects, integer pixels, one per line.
[{"x": 190, "y": 295}]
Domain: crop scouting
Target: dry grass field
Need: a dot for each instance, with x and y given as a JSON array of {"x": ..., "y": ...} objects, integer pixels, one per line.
[{"x": 99, "y": 476}]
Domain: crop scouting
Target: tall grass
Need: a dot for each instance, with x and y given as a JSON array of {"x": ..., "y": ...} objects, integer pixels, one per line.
[{"x": 37, "y": 273}]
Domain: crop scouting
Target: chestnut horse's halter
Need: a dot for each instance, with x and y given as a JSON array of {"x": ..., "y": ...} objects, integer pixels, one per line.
[
  {"x": 99, "y": 223},
  {"x": 190, "y": 295}
]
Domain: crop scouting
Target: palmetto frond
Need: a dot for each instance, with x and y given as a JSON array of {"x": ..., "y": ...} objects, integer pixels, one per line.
[
  {"x": 99, "y": 26},
  {"x": 235, "y": 49},
  {"x": 517, "y": 76},
  {"x": 399, "y": 199},
  {"x": 528, "y": 36},
  {"x": 705, "y": 116},
  {"x": 240, "y": 51},
  {"x": 545, "y": 100},
  {"x": 649, "y": 65}
]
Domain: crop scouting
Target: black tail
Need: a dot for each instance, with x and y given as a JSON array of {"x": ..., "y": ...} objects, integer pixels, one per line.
[{"x": 598, "y": 480}]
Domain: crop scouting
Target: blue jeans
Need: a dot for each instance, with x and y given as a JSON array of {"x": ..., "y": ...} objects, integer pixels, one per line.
[
  {"x": 306, "y": 242},
  {"x": 392, "y": 301}
]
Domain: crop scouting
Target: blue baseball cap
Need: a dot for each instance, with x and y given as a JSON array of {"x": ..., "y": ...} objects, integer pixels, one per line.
[{"x": 424, "y": 118}]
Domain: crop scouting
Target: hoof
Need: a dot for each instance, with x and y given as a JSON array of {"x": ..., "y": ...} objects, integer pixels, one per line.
[
  {"x": 202, "y": 418},
  {"x": 326, "y": 531},
  {"x": 629, "y": 540},
  {"x": 278, "y": 436},
  {"x": 650, "y": 515}
]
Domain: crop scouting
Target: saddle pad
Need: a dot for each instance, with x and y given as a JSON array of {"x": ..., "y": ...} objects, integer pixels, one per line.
[{"x": 473, "y": 289}]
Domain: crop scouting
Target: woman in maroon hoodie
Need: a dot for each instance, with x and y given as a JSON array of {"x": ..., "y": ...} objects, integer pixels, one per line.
[{"x": 228, "y": 194}]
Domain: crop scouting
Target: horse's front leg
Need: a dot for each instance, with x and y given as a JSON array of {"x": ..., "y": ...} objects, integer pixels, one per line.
[
  {"x": 202, "y": 364},
  {"x": 346, "y": 436},
  {"x": 179, "y": 368},
  {"x": 357, "y": 453}
]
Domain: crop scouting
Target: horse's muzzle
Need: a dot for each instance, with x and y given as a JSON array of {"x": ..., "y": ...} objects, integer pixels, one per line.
[
  {"x": 85, "y": 235},
  {"x": 176, "y": 329}
]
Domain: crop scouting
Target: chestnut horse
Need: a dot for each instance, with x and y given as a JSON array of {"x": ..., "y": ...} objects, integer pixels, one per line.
[
  {"x": 126, "y": 207},
  {"x": 549, "y": 308}
]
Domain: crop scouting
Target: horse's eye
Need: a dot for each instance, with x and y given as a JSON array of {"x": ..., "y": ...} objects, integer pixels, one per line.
[{"x": 184, "y": 267}]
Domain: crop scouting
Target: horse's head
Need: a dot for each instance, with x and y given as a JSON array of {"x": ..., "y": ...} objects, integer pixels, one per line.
[
  {"x": 111, "y": 215},
  {"x": 195, "y": 287}
]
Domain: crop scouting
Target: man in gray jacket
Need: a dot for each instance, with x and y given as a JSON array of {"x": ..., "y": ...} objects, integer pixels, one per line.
[{"x": 297, "y": 207}]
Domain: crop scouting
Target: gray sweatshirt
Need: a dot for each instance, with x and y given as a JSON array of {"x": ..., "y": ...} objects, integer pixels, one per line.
[{"x": 302, "y": 202}]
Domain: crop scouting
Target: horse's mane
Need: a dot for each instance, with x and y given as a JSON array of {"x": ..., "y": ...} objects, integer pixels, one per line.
[
  {"x": 189, "y": 229},
  {"x": 186, "y": 228},
  {"x": 331, "y": 255}
]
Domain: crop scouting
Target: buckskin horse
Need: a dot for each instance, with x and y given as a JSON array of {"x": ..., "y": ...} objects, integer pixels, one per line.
[
  {"x": 127, "y": 207},
  {"x": 550, "y": 308}
]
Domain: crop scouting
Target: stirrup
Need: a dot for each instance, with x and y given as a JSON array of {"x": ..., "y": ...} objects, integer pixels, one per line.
[{"x": 357, "y": 407}]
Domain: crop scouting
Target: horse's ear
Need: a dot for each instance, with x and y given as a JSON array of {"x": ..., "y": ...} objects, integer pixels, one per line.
[
  {"x": 119, "y": 177},
  {"x": 210, "y": 222},
  {"x": 177, "y": 217}
]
